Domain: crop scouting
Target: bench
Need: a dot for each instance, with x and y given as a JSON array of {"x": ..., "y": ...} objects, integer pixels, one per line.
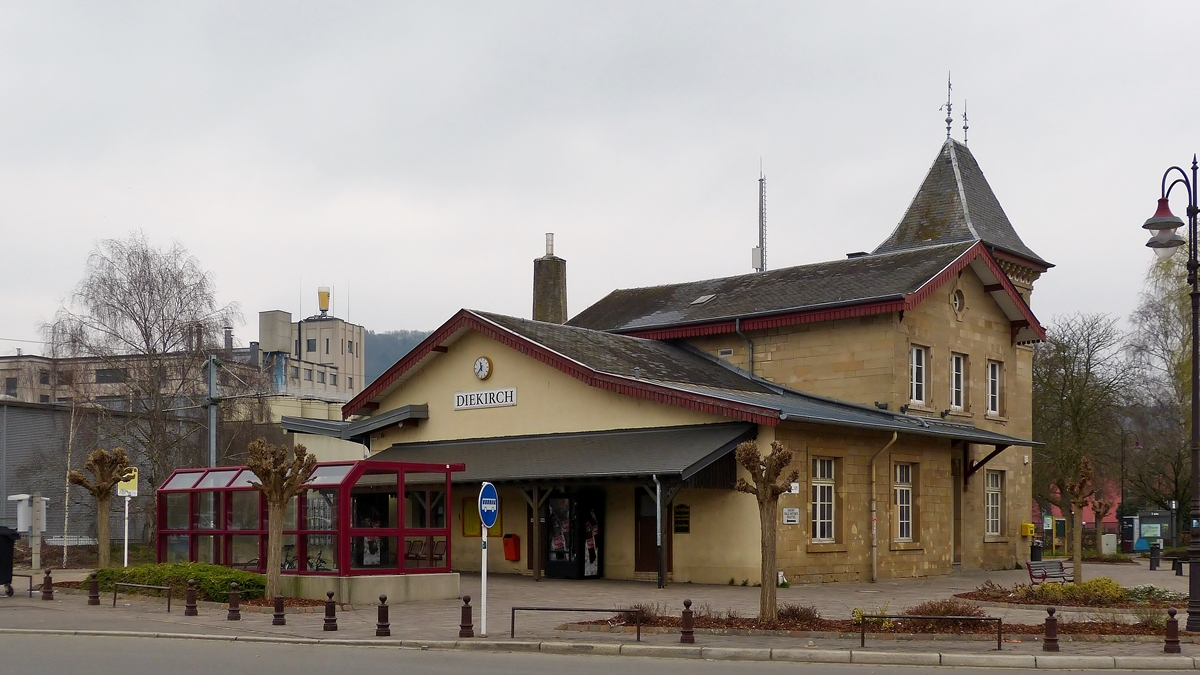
[{"x": 1048, "y": 570}]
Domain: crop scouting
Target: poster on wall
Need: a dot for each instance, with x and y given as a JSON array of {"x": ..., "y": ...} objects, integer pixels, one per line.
[
  {"x": 560, "y": 530},
  {"x": 591, "y": 531},
  {"x": 1151, "y": 530}
]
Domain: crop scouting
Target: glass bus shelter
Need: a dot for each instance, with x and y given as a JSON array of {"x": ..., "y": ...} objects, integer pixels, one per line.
[{"x": 354, "y": 518}]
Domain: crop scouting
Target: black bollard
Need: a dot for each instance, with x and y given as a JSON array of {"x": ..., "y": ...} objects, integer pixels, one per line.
[
  {"x": 93, "y": 590},
  {"x": 1172, "y": 643},
  {"x": 277, "y": 619},
  {"x": 189, "y": 599},
  {"x": 382, "y": 627},
  {"x": 235, "y": 604},
  {"x": 330, "y": 611},
  {"x": 47, "y": 586},
  {"x": 466, "y": 629},
  {"x": 687, "y": 629},
  {"x": 1050, "y": 641},
  {"x": 1155, "y": 553}
]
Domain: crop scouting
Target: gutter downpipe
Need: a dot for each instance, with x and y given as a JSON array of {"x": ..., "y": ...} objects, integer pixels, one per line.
[
  {"x": 874, "y": 513},
  {"x": 737, "y": 328}
]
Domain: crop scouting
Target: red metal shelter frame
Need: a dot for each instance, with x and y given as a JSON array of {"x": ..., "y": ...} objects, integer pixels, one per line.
[{"x": 215, "y": 515}]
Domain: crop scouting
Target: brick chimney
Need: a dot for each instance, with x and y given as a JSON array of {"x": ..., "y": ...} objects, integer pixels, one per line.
[{"x": 550, "y": 286}]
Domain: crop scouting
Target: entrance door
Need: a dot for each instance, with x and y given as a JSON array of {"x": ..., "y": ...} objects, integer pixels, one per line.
[{"x": 645, "y": 534}]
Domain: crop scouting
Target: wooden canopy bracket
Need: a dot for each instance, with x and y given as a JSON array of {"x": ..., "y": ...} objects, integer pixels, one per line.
[{"x": 970, "y": 467}]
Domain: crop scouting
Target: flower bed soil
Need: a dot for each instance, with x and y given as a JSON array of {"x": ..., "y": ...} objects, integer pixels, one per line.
[
  {"x": 1009, "y": 599},
  {"x": 897, "y": 626}
]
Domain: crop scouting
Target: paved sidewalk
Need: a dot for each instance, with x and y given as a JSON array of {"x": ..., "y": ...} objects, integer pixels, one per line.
[{"x": 436, "y": 622}]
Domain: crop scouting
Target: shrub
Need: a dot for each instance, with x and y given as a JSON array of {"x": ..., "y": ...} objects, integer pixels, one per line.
[
  {"x": 1098, "y": 591},
  {"x": 1150, "y": 617},
  {"x": 798, "y": 613},
  {"x": 650, "y": 610},
  {"x": 1150, "y": 593},
  {"x": 212, "y": 581},
  {"x": 948, "y": 607},
  {"x": 857, "y": 616}
]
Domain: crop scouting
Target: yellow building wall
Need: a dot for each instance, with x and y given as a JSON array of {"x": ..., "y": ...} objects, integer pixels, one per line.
[{"x": 548, "y": 401}]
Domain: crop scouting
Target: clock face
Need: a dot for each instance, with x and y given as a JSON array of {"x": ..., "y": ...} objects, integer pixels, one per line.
[{"x": 483, "y": 367}]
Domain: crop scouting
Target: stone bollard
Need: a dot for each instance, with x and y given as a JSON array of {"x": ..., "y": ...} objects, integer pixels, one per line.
[
  {"x": 330, "y": 611},
  {"x": 278, "y": 619},
  {"x": 47, "y": 586},
  {"x": 1050, "y": 641},
  {"x": 1178, "y": 567},
  {"x": 382, "y": 627},
  {"x": 93, "y": 590},
  {"x": 189, "y": 599},
  {"x": 687, "y": 629},
  {"x": 466, "y": 629},
  {"x": 1172, "y": 643},
  {"x": 235, "y": 604}
]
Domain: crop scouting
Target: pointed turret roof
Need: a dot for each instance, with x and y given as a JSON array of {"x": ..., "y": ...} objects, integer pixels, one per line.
[{"x": 956, "y": 204}]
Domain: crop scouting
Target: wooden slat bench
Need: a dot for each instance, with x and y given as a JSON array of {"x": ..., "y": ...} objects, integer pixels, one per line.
[{"x": 1048, "y": 570}]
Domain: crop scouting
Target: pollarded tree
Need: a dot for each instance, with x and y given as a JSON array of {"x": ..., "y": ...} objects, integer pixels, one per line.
[
  {"x": 764, "y": 471},
  {"x": 107, "y": 469},
  {"x": 280, "y": 477}
]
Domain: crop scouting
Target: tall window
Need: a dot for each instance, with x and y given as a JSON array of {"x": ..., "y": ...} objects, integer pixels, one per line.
[
  {"x": 993, "y": 501},
  {"x": 994, "y": 376},
  {"x": 822, "y": 499},
  {"x": 902, "y": 495},
  {"x": 958, "y": 380},
  {"x": 916, "y": 374}
]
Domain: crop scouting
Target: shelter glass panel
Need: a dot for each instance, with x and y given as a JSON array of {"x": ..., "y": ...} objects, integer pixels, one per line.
[
  {"x": 322, "y": 553},
  {"x": 178, "y": 548},
  {"x": 208, "y": 511},
  {"x": 321, "y": 509},
  {"x": 177, "y": 511},
  {"x": 246, "y": 510}
]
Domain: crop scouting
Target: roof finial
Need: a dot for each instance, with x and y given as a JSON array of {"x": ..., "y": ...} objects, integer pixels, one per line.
[
  {"x": 965, "y": 127},
  {"x": 949, "y": 105}
]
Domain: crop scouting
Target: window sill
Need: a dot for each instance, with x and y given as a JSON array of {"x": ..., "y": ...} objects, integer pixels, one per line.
[
  {"x": 995, "y": 540},
  {"x": 992, "y": 417},
  {"x": 832, "y": 547},
  {"x": 906, "y": 546},
  {"x": 961, "y": 413},
  {"x": 921, "y": 407}
]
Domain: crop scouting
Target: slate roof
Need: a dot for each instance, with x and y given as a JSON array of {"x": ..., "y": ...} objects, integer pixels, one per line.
[
  {"x": 826, "y": 284},
  {"x": 626, "y": 356},
  {"x": 956, "y": 204}
]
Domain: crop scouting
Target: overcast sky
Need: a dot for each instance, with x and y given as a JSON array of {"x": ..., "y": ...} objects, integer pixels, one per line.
[{"x": 412, "y": 155}]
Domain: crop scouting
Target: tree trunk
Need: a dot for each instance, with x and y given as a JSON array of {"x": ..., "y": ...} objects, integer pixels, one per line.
[
  {"x": 766, "y": 598},
  {"x": 103, "y": 544},
  {"x": 1077, "y": 543},
  {"x": 274, "y": 547}
]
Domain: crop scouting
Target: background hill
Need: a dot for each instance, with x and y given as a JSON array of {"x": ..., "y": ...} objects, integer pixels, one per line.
[{"x": 386, "y": 348}]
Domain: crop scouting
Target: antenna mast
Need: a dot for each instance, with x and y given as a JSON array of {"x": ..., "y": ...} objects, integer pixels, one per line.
[{"x": 758, "y": 256}]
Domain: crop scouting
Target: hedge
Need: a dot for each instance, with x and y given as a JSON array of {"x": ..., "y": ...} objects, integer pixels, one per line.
[{"x": 212, "y": 581}]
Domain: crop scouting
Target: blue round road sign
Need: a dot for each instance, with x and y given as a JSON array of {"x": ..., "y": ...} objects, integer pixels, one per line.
[{"x": 489, "y": 505}]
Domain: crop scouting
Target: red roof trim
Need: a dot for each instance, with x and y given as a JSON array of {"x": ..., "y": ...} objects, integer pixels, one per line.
[
  {"x": 868, "y": 308},
  {"x": 644, "y": 390}
]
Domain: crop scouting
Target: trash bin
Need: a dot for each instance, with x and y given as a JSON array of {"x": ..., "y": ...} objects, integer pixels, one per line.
[
  {"x": 1035, "y": 551},
  {"x": 1155, "y": 555},
  {"x": 7, "y": 538},
  {"x": 512, "y": 547}
]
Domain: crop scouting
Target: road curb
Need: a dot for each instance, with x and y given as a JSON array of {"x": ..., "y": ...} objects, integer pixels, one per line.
[{"x": 1006, "y": 661}]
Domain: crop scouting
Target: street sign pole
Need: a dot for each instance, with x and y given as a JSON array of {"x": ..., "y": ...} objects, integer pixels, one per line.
[
  {"x": 489, "y": 511},
  {"x": 128, "y": 488},
  {"x": 483, "y": 531},
  {"x": 126, "y": 532}
]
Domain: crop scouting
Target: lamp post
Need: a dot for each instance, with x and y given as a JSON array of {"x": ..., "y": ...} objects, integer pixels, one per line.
[{"x": 1164, "y": 242}]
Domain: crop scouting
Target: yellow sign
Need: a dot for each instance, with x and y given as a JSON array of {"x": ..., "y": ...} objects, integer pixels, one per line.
[{"x": 128, "y": 488}]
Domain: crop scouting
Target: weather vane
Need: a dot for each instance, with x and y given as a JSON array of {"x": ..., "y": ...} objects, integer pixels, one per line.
[
  {"x": 965, "y": 127},
  {"x": 949, "y": 106}
]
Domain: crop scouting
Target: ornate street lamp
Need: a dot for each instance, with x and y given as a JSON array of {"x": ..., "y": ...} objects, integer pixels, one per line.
[{"x": 1164, "y": 242}]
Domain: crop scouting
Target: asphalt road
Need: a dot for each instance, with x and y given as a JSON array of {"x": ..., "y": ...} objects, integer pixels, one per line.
[{"x": 126, "y": 656}]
